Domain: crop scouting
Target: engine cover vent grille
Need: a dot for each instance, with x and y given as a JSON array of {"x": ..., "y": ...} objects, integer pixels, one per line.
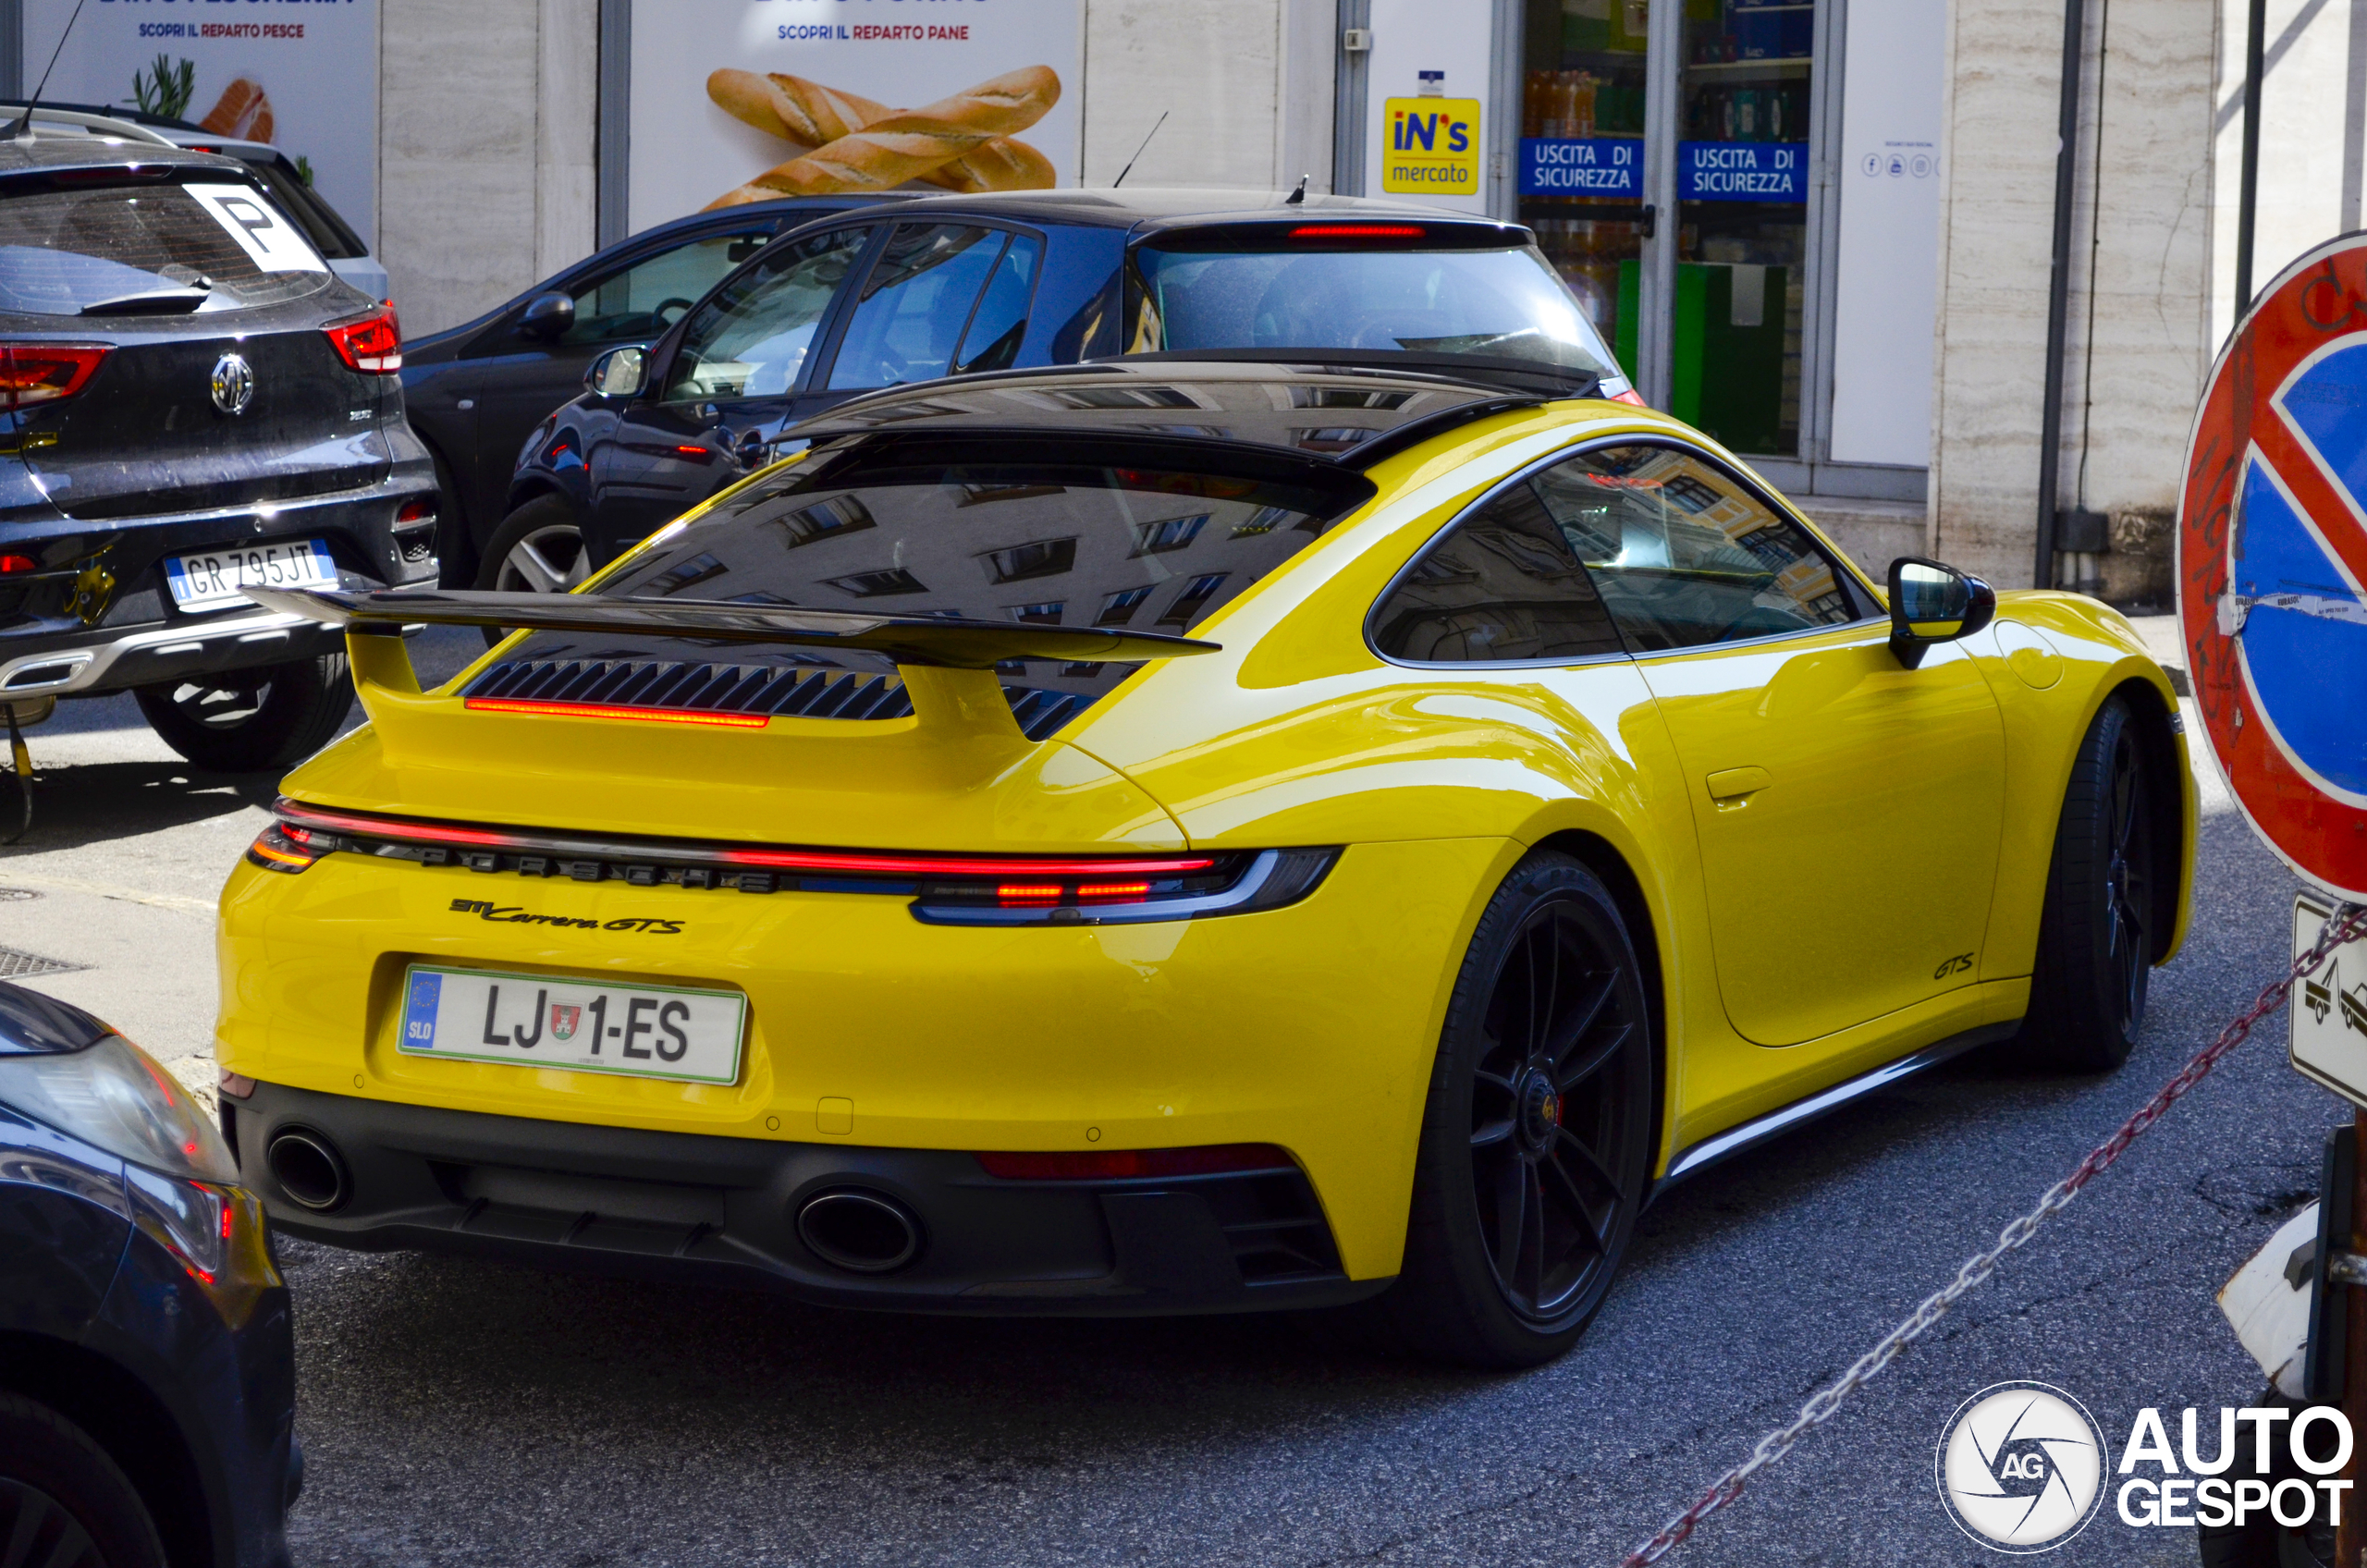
[{"x": 788, "y": 691}]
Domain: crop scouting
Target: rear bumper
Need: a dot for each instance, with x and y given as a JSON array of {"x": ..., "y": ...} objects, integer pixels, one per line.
[
  {"x": 101, "y": 618},
  {"x": 723, "y": 1210}
]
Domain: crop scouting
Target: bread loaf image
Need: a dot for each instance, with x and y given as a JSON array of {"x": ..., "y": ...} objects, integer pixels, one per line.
[
  {"x": 243, "y": 111},
  {"x": 910, "y": 144},
  {"x": 811, "y": 115}
]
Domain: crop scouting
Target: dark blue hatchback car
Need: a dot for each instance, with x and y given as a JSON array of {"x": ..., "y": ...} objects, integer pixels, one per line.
[
  {"x": 949, "y": 286},
  {"x": 147, "y": 1370}
]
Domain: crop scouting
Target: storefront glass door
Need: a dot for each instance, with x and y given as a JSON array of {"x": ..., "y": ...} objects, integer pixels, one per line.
[{"x": 1730, "y": 311}]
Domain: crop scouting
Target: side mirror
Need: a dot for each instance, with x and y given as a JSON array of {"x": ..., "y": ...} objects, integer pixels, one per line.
[
  {"x": 547, "y": 317},
  {"x": 619, "y": 372},
  {"x": 1930, "y": 603}
]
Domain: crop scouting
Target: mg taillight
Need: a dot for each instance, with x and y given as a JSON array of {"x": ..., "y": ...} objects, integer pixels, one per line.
[
  {"x": 33, "y": 374},
  {"x": 372, "y": 344}
]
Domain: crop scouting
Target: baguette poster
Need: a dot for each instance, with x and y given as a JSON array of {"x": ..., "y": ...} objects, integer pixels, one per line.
[
  {"x": 737, "y": 100},
  {"x": 303, "y": 78}
]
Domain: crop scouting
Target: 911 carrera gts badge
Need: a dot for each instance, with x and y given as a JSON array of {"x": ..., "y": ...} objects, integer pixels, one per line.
[
  {"x": 234, "y": 383},
  {"x": 510, "y": 914},
  {"x": 563, "y": 1020}
]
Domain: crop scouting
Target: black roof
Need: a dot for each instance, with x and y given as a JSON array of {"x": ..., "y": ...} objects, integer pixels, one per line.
[
  {"x": 1153, "y": 210},
  {"x": 1349, "y": 416}
]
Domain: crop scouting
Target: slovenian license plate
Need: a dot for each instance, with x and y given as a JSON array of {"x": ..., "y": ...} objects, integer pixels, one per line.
[
  {"x": 213, "y": 577},
  {"x": 547, "y": 1021}
]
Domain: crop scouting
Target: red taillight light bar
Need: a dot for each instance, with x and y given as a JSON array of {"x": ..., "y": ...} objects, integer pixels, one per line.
[
  {"x": 33, "y": 374},
  {"x": 1118, "y": 1165},
  {"x": 1358, "y": 231},
  {"x": 372, "y": 344},
  {"x": 841, "y": 862},
  {"x": 606, "y": 710}
]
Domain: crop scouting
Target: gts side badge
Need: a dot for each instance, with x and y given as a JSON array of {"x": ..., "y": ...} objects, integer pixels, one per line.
[
  {"x": 1956, "y": 966},
  {"x": 486, "y": 909}
]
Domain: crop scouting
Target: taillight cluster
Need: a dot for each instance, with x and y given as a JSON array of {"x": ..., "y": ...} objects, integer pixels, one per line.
[
  {"x": 946, "y": 889},
  {"x": 34, "y": 374},
  {"x": 372, "y": 344}
]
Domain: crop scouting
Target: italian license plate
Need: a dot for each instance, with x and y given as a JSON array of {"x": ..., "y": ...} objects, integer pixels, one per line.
[
  {"x": 544, "y": 1020},
  {"x": 212, "y": 577}
]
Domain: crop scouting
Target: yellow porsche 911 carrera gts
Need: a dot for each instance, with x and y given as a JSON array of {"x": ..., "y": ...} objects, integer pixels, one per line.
[{"x": 1181, "y": 836}]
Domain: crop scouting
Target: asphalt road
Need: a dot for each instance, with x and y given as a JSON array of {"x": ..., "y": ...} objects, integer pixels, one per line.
[{"x": 458, "y": 1412}]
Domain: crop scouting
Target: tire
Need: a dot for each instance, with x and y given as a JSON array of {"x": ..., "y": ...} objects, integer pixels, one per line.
[
  {"x": 256, "y": 721},
  {"x": 538, "y": 549},
  {"x": 61, "y": 1493},
  {"x": 2095, "y": 939},
  {"x": 1536, "y": 1143}
]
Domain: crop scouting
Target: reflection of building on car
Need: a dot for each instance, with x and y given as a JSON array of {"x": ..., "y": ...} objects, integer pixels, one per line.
[
  {"x": 147, "y": 1398},
  {"x": 194, "y": 401},
  {"x": 474, "y": 392},
  {"x": 345, "y": 251},
  {"x": 1180, "y": 836},
  {"x": 954, "y": 284}
]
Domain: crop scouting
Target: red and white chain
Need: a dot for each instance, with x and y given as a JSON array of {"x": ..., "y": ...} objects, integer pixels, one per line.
[{"x": 2348, "y": 923}]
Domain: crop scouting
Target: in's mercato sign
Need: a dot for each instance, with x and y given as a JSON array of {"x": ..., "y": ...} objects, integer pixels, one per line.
[
  {"x": 1594, "y": 166},
  {"x": 1742, "y": 171}
]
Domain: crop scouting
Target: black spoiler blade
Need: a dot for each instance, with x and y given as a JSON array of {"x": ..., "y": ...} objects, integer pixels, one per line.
[{"x": 908, "y": 640}]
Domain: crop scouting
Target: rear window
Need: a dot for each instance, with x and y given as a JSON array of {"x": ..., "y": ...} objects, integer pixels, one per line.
[
  {"x": 1504, "y": 303},
  {"x": 1057, "y": 542},
  {"x": 149, "y": 248}
]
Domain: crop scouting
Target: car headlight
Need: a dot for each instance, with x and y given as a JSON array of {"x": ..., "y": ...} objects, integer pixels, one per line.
[{"x": 180, "y": 1180}]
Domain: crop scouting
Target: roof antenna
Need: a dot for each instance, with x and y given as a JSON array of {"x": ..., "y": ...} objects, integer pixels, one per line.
[
  {"x": 24, "y": 130},
  {"x": 1122, "y": 173},
  {"x": 1297, "y": 198}
]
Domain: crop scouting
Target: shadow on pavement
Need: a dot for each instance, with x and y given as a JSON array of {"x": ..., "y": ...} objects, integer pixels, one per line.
[{"x": 97, "y": 802}]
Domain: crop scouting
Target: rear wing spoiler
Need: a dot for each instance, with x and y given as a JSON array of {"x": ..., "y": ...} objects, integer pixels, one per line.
[{"x": 922, "y": 640}]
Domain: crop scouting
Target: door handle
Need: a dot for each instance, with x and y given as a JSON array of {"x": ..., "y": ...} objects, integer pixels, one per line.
[{"x": 1732, "y": 788}]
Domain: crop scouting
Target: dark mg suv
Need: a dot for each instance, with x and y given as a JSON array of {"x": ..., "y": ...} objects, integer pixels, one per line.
[{"x": 190, "y": 402}]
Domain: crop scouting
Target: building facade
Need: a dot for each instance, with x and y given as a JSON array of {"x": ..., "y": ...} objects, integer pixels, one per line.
[{"x": 1825, "y": 231}]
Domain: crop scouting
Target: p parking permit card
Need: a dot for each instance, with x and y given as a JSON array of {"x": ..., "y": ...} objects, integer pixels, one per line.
[{"x": 249, "y": 218}]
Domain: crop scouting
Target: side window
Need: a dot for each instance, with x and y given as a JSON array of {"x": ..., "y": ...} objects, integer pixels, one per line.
[
  {"x": 1684, "y": 554},
  {"x": 647, "y": 298},
  {"x": 752, "y": 338},
  {"x": 909, "y": 317},
  {"x": 1504, "y": 584},
  {"x": 1000, "y": 323}
]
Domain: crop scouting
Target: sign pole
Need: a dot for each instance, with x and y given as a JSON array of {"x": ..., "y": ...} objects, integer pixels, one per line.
[{"x": 2350, "y": 1535}]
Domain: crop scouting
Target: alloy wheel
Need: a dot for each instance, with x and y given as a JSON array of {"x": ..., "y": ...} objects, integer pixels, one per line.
[
  {"x": 2128, "y": 881},
  {"x": 1551, "y": 1122},
  {"x": 550, "y": 560}
]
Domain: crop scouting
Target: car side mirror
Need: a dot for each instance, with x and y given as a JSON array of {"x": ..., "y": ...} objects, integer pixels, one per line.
[
  {"x": 547, "y": 317},
  {"x": 619, "y": 372},
  {"x": 1930, "y": 603}
]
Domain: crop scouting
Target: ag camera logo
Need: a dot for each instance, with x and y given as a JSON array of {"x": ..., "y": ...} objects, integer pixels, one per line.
[{"x": 2021, "y": 1467}]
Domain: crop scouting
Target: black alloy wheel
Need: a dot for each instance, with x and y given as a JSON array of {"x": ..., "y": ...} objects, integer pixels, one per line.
[
  {"x": 1536, "y": 1144},
  {"x": 251, "y": 720},
  {"x": 63, "y": 1502},
  {"x": 2097, "y": 932}
]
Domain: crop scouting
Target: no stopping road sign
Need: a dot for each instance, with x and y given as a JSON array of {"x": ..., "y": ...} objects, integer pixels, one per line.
[{"x": 2272, "y": 544}]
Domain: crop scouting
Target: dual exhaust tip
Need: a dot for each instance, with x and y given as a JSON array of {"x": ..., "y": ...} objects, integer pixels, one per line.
[{"x": 862, "y": 1232}]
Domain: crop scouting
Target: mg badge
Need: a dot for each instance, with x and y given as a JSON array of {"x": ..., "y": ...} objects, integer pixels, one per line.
[{"x": 234, "y": 383}]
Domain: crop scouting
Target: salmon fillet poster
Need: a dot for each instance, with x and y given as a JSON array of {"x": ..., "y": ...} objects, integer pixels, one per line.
[
  {"x": 303, "y": 78},
  {"x": 737, "y": 100}
]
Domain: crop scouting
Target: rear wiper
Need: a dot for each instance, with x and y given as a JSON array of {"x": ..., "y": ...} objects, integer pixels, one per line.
[{"x": 173, "y": 301}]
